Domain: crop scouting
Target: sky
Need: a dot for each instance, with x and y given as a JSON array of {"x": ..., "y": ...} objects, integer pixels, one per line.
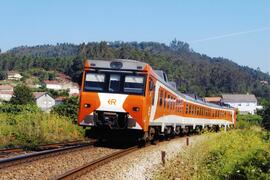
[{"x": 237, "y": 30}]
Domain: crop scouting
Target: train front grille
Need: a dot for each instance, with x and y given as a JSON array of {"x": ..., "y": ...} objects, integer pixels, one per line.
[{"x": 112, "y": 120}]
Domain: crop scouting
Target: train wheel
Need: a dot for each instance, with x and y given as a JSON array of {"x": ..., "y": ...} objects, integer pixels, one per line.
[
  {"x": 152, "y": 135},
  {"x": 186, "y": 131},
  {"x": 168, "y": 133},
  {"x": 142, "y": 141},
  {"x": 178, "y": 131}
]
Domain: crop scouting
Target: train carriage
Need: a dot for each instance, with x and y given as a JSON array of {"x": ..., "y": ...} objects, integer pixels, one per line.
[{"x": 129, "y": 96}]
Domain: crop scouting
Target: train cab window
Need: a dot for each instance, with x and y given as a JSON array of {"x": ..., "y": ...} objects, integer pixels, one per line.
[
  {"x": 94, "y": 82},
  {"x": 114, "y": 83},
  {"x": 134, "y": 84}
]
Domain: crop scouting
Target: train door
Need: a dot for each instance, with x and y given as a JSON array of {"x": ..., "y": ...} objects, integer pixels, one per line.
[{"x": 153, "y": 97}]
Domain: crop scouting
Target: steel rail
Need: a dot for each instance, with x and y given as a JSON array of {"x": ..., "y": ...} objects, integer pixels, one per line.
[
  {"x": 77, "y": 172},
  {"x": 41, "y": 154}
]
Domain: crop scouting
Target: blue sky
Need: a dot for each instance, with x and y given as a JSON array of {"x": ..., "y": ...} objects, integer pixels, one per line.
[{"x": 238, "y": 30}]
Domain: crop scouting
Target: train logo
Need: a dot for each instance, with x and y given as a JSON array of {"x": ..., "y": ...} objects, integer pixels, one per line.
[{"x": 112, "y": 101}]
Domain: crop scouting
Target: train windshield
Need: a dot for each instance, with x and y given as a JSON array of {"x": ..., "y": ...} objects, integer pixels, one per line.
[
  {"x": 134, "y": 84},
  {"x": 126, "y": 83}
]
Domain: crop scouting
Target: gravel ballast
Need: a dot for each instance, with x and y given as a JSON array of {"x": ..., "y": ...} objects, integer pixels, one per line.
[
  {"x": 141, "y": 164},
  {"x": 50, "y": 167}
]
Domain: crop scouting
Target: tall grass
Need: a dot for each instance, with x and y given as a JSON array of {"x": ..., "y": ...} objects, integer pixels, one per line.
[
  {"x": 30, "y": 129},
  {"x": 237, "y": 154}
]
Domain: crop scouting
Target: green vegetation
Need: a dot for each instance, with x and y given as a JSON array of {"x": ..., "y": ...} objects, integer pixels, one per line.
[
  {"x": 23, "y": 124},
  {"x": 17, "y": 108},
  {"x": 266, "y": 118},
  {"x": 193, "y": 72},
  {"x": 237, "y": 154},
  {"x": 242, "y": 153},
  {"x": 248, "y": 120},
  {"x": 22, "y": 95},
  {"x": 68, "y": 108},
  {"x": 30, "y": 129}
]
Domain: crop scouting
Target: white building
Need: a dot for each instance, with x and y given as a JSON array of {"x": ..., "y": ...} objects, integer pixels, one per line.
[
  {"x": 245, "y": 103},
  {"x": 6, "y": 92},
  {"x": 73, "y": 89},
  {"x": 44, "y": 101},
  {"x": 5, "y": 96},
  {"x": 55, "y": 85},
  {"x": 14, "y": 76}
]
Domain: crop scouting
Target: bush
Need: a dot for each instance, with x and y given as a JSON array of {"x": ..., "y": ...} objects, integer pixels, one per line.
[
  {"x": 266, "y": 118},
  {"x": 237, "y": 154},
  {"x": 15, "y": 108},
  {"x": 32, "y": 129},
  {"x": 22, "y": 95},
  {"x": 68, "y": 108},
  {"x": 248, "y": 120}
]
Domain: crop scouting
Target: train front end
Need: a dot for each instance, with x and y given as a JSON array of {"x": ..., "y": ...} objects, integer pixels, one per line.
[{"x": 112, "y": 97}]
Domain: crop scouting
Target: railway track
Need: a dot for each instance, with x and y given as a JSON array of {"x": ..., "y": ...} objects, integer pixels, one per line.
[
  {"x": 77, "y": 172},
  {"x": 44, "y": 152},
  {"x": 4, "y": 153},
  {"x": 84, "y": 169}
]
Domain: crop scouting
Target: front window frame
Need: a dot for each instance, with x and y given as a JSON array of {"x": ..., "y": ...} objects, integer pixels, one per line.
[{"x": 122, "y": 79}]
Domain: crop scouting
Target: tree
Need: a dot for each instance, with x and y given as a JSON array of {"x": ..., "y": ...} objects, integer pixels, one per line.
[
  {"x": 76, "y": 70},
  {"x": 266, "y": 118},
  {"x": 68, "y": 108},
  {"x": 52, "y": 76},
  {"x": 22, "y": 95},
  {"x": 3, "y": 75}
]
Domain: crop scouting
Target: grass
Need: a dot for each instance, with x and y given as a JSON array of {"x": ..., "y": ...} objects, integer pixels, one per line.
[
  {"x": 30, "y": 129},
  {"x": 236, "y": 154}
]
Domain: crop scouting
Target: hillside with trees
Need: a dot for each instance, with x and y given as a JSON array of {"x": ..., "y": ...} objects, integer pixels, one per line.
[{"x": 193, "y": 72}]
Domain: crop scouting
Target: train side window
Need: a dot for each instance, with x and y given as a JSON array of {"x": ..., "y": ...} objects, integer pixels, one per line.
[
  {"x": 172, "y": 108},
  {"x": 169, "y": 102},
  {"x": 160, "y": 98},
  {"x": 151, "y": 85},
  {"x": 165, "y": 99},
  {"x": 187, "y": 108},
  {"x": 153, "y": 93}
]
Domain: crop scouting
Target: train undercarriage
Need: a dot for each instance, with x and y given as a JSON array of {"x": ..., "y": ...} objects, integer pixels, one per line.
[{"x": 153, "y": 134}]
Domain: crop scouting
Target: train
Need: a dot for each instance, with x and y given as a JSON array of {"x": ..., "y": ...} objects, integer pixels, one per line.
[{"x": 131, "y": 99}]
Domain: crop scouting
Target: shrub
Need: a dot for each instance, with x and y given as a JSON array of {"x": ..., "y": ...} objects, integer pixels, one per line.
[
  {"x": 248, "y": 120},
  {"x": 15, "y": 108},
  {"x": 32, "y": 129},
  {"x": 266, "y": 118},
  {"x": 237, "y": 154},
  {"x": 22, "y": 95},
  {"x": 68, "y": 108}
]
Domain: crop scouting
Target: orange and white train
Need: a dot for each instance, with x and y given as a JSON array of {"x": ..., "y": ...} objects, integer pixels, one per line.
[{"x": 129, "y": 96}]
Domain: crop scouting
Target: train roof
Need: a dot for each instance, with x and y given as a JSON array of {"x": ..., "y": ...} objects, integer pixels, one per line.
[
  {"x": 129, "y": 64},
  {"x": 116, "y": 64}
]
